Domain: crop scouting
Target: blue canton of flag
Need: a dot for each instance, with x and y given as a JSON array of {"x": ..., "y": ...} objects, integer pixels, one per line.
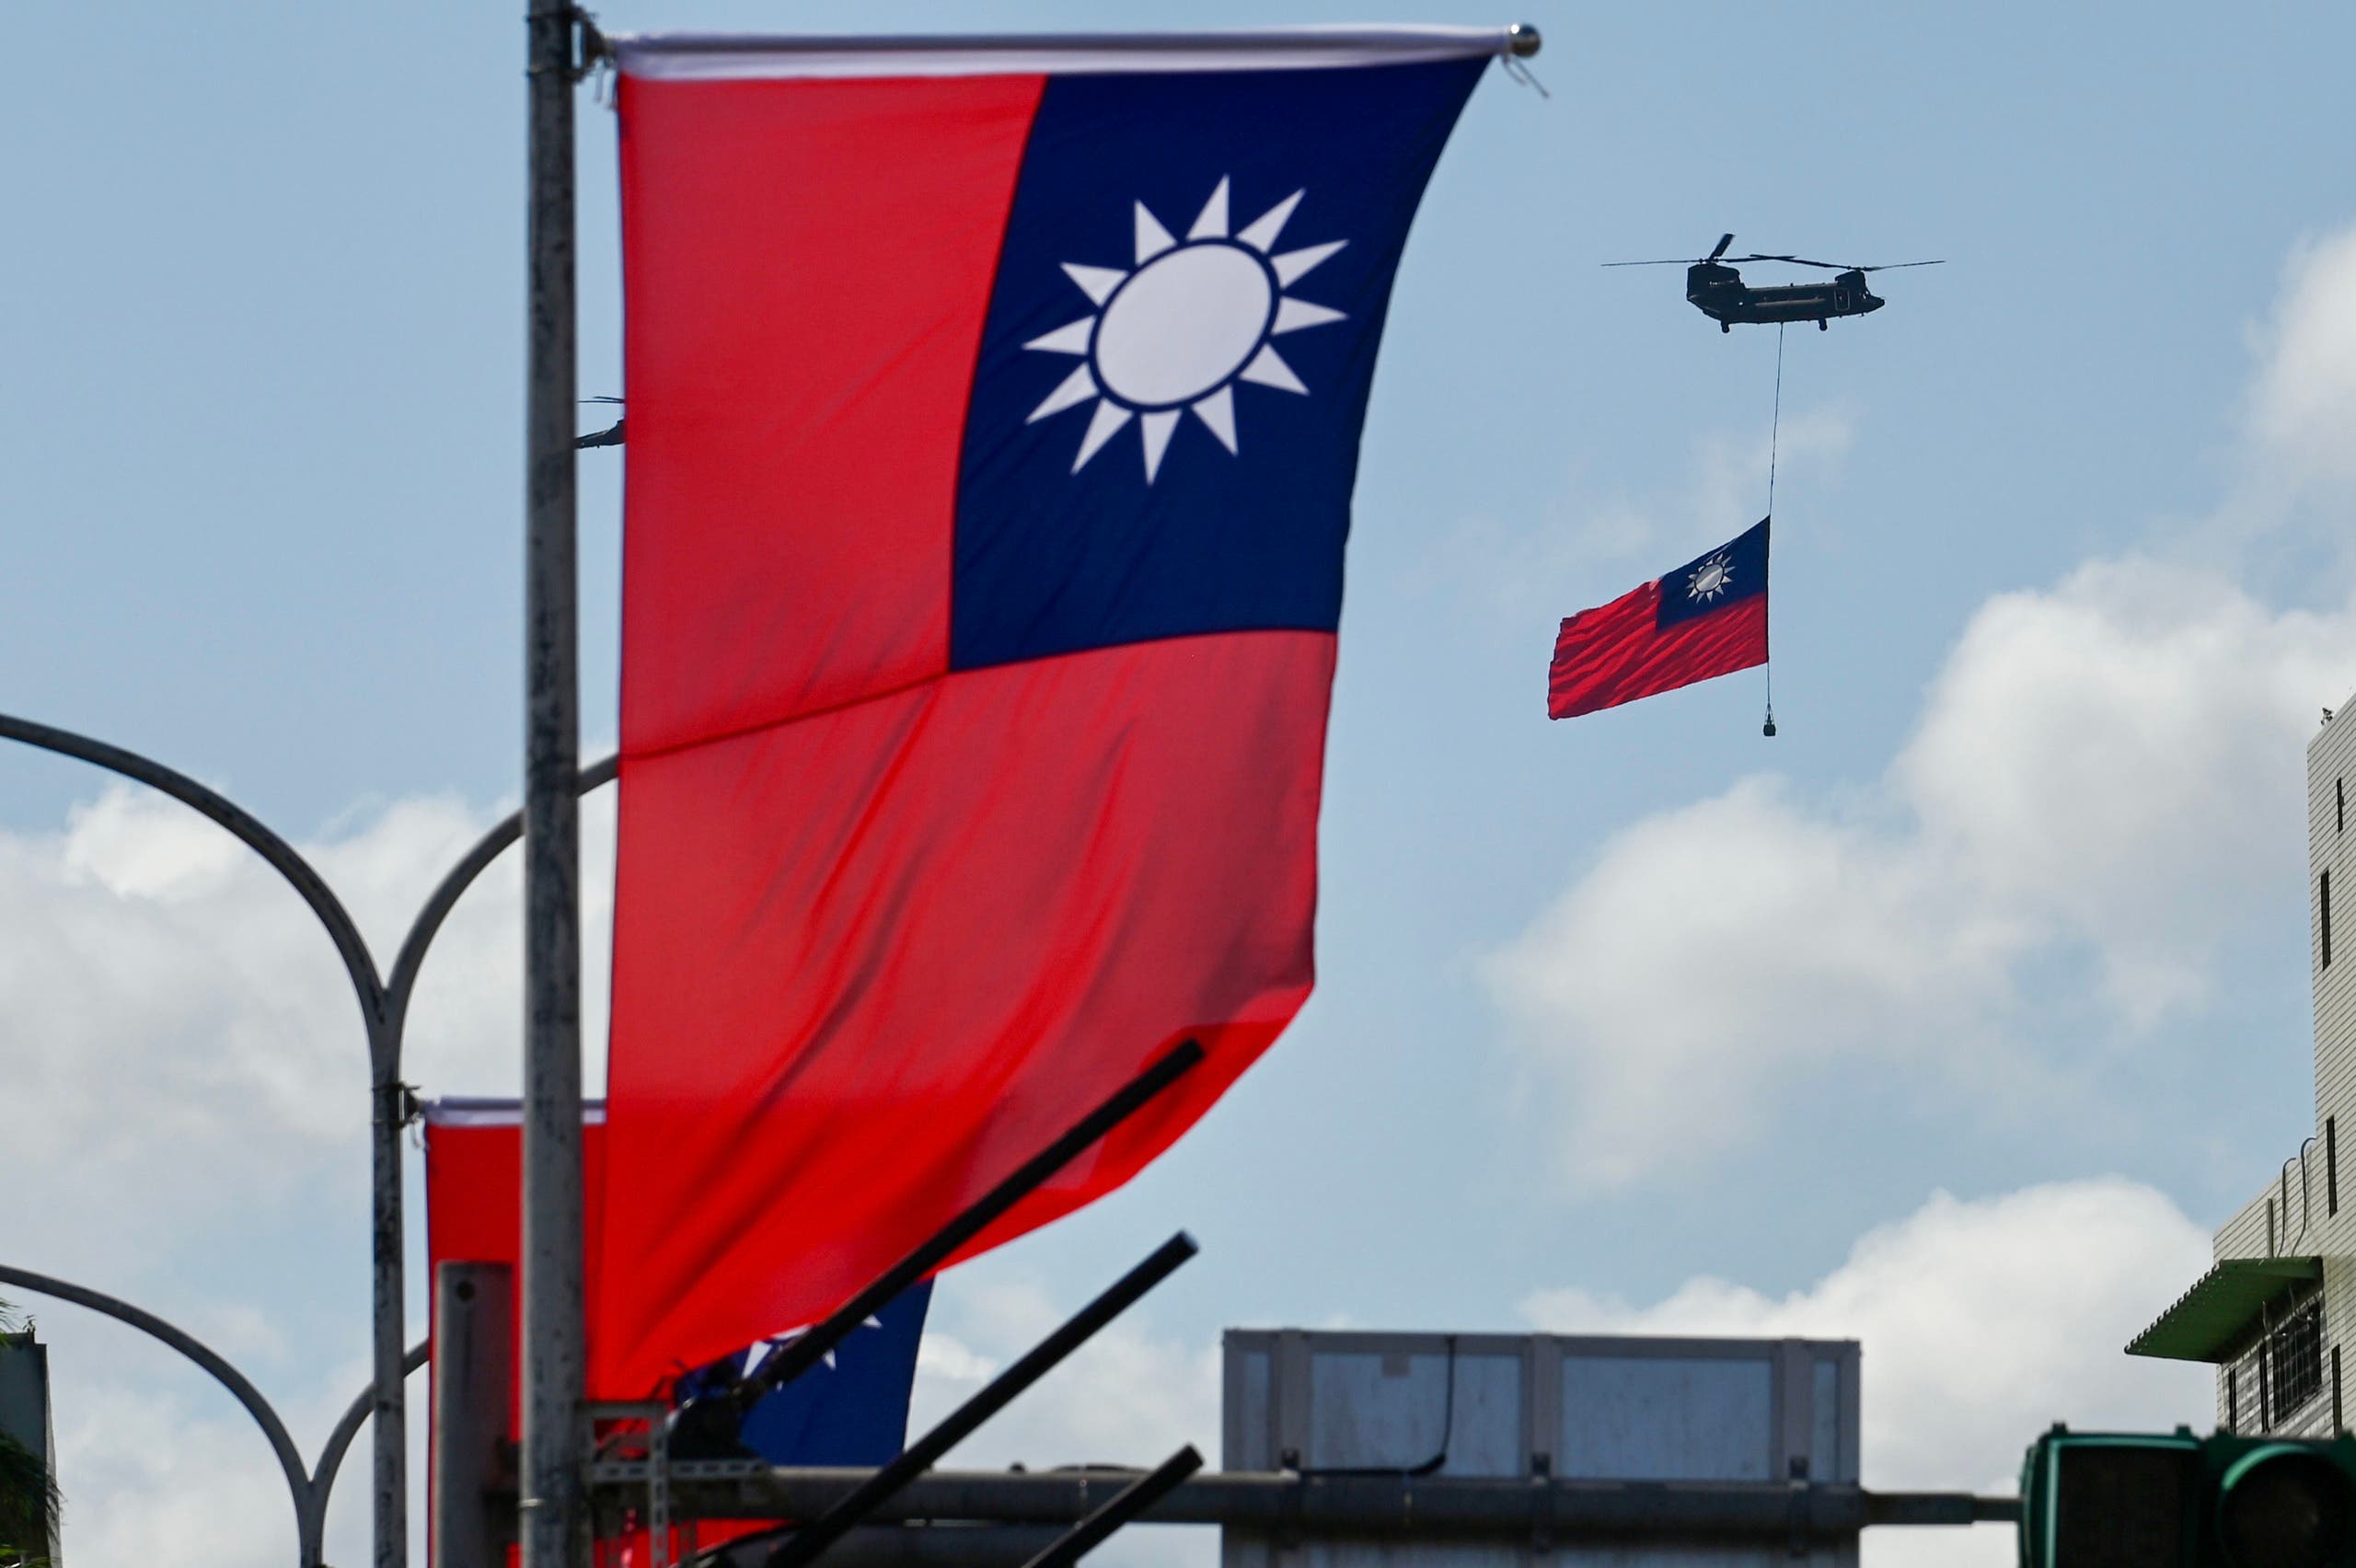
[
  {"x": 1164, "y": 424},
  {"x": 851, "y": 1409}
]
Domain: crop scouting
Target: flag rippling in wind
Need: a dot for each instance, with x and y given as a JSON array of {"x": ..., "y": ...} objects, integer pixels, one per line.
[
  {"x": 1706, "y": 618},
  {"x": 993, "y": 419}
]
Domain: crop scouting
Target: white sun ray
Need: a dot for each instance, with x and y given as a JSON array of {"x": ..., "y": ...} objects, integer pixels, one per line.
[
  {"x": 1289, "y": 267},
  {"x": 1157, "y": 427},
  {"x": 1268, "y": 369},
  {"x": 1071, "y": 339},
  {"x": 1152, "y": 238},
  {"x": 1262, "y": 230},
  {"x": 1077, "y": 387},
  {"x": 1211, "y": 223},
  {"x": 1217, "y": 410},
  {"x": 1292, "y": 315},
  {"x": 1109, "y": 417},
  {"x": 1096, "y": 282}
]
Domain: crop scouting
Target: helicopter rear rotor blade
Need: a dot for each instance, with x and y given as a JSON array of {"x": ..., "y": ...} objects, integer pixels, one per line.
[
  {"x": 1669, "y": 262},
  {"x": 1796, "y": 261},
  {"x": 1838, "y": 266},
  {"x": 1724, "y": 240}
]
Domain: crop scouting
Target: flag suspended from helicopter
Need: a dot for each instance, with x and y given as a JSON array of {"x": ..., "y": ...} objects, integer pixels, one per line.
[
  {"x": 994, "y": 412},
  {"x": 1706, "y": 618}
]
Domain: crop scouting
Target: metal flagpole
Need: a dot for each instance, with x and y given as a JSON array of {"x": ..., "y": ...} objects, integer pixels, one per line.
[{"x": 553, "y": 1521}]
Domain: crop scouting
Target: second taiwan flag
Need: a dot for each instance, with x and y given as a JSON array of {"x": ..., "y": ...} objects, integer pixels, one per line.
[
  {"x": 1708, "y": 618},
  {"x": 993, "y": 418}
]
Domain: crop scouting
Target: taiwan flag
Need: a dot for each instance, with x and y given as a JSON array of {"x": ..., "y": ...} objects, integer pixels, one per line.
[
  {"x": 994, "y": 411},
  {"x": 1708, "y": 618}
]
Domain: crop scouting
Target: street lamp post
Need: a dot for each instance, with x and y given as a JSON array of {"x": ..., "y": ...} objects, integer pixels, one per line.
[
  {"x": 308, "y": 1488},
  {"x": 384, "y": 1012}
]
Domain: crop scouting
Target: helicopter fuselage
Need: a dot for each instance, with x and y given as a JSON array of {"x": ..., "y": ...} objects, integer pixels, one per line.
[{"x": 1719, "y": 292}]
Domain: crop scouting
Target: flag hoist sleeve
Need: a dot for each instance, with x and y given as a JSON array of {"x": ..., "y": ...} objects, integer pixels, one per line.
[{"x": 991, "y": 440}]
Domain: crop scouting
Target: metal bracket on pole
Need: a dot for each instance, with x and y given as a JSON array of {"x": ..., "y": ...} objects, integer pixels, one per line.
[
  {"x": 591, "y": 48},
  {"x": 653, "y": 1464}
]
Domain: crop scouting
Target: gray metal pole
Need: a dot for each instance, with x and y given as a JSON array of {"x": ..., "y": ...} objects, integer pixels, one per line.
[
  {"x": 473, "y": 1318},
  {"x": 554, "y": 1503},
  {"x": 388, "y": 1468},
  {"x": 1378, "y": 1504}
]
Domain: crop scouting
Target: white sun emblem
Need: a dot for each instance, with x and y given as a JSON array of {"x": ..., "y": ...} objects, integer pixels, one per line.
[
  {"x": 1182, "y": 327},
  {"x": 1716, "y": 576},
  {"x": 757, "y": 1352}
]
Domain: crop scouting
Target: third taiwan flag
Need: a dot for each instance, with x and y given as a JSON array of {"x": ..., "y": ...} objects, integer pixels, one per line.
[{"x": 1708, "y": 618}]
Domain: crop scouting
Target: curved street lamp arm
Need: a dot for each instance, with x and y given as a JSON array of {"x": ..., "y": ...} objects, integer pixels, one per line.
[
  {"x": 247, "y": 830},
  {"x": 355, "y": 1415},
  {"x": 384, "y": 1010},
  {"x": 289, "y": 1460},
  {"x": 445, "y": 895}
]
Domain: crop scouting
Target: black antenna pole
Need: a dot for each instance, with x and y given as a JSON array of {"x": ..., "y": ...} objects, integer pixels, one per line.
[{"x": 1774, "y": 439}]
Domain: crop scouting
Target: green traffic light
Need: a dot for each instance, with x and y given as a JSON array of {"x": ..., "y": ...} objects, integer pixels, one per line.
[
  {"x": 2172, "y": 1500},
  {"x": 2283, "y": 1505}
]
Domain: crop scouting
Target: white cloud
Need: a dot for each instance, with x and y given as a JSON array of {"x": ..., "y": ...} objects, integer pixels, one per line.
[
  {"x": 1983, "y": 1322},
  {"x": 174, "y": 1005},
  {"x": 1127, "y": 1397},
  {"x": 2120, "y": 756},
  {"x": 159, "y": 1464},
  {"x": 150, "y": 1478},
  {"x": 185, "y": 1067},
  {"x": 2109, "y": 770},
  {"x": 2103, "y": 789},
  {"x": 2304, "y": 404}
]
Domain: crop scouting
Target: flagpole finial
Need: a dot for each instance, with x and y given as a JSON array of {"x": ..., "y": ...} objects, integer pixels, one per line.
[
  {"x": 1768, "y": 728},
  {"x": 1522, "y": 40}
]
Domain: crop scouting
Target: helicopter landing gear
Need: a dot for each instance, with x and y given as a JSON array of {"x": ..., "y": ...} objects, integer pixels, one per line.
[
  {"x": 1822, "y": 325},
  {"x": 1725, "y": 325}
]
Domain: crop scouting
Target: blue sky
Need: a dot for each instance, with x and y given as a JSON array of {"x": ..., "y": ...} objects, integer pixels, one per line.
[{"x": 2010, "y": 909}]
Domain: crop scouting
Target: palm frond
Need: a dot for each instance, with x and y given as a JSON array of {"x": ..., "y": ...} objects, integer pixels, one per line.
[{"x": 28, "y": 1500}]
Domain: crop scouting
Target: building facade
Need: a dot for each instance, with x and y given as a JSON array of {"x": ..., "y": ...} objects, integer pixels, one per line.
[
  {"x": 25, "y": 1419},
  {"x": 2274, "y": 1311}
]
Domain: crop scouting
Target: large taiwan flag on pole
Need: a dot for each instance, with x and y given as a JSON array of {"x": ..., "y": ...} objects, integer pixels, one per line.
[{"x": 994, "y": 409}]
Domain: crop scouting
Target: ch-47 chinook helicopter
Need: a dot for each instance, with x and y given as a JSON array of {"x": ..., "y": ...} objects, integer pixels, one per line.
[{"x": 1717, "y": 291}]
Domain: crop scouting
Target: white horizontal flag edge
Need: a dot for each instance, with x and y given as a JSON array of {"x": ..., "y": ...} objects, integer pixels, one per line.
[
  {"x": 466, "y": 1111},
  {"x": 708, "y": 57}
]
